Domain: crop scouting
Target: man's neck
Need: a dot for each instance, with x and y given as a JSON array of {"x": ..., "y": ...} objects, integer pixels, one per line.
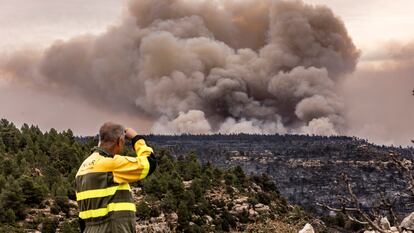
[{"x": 108, "y": 148}]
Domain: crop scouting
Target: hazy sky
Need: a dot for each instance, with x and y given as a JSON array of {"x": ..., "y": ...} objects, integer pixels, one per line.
[
  {"x": 40, "y": 22},
  {"x": 37, "y": 23}
]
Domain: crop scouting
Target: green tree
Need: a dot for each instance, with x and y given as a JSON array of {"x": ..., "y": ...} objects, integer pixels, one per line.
[
  {"x": 155, "y": 185},
  {"x": 229, "y": 178},
  {"x": 184, "y": 217},
  {"x": 169, "y": 203},
  {"x": 12, "y": 197},
  {"x": 9, "y": 167},
  {"x": 10, "y": 136},
  {"x": 175, "y": 184},
  {"x": 197, "y": 189},
  {"x": 189, "y": 167},
  {"x": 28, "y": 154},
  {"x": 51, "y": 176},
  {"x": 33, "y": 193},
  {"x": 68, "y": 134}
]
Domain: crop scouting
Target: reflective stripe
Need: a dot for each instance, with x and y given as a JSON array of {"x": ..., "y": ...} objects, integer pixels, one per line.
[
  {"x": 109, "y": 208},
  {"x": 101, "y": 192},
  {"x": 102, "y": 202},
  {"x": 146, "y": 166}
]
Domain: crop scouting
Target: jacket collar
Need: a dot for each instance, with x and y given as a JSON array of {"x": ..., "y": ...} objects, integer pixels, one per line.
[{"x": 101, "y": 151}]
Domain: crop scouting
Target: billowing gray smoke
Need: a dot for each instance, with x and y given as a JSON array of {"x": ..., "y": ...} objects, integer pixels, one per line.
[{"x": 201, "y": 66}]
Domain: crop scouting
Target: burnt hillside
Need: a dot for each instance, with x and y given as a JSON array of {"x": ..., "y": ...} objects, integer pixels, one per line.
[{"x": 306, "y": 169}]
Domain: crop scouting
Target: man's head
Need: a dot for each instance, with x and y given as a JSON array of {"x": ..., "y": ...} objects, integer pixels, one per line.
[{"x": 112, "y": 137}]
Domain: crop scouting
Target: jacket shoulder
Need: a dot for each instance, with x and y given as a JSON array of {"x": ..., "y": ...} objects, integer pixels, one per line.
[{"x": 94, "y": 163}]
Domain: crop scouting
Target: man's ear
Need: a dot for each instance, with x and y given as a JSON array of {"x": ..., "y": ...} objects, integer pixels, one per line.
[{"x": 121, "y": 142}]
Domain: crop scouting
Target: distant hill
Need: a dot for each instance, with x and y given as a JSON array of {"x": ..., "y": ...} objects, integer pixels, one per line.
[{"x": 305, "y": 168}]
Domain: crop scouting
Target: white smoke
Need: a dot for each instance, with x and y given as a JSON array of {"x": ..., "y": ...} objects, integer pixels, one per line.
[{"x": 208, "y": 66}]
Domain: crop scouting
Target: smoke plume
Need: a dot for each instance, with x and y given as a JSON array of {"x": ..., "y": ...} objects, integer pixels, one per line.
[
  {"x": 379, "y": 96},
  {"x": 207, "y": 66}
]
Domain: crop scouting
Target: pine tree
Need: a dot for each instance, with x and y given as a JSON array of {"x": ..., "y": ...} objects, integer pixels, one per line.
[
  {"x": 184, "y": 217},
  {"x": 32, "y": 192},
  {"x": 12, "y": 197}
]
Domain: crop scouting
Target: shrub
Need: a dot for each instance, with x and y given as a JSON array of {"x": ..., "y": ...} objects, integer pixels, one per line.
[
  {"x": 9, "y": 216},
  {"x": 63, "y": 203},
  {"x": 55, "y": 209},
  {"x": 264, "y": 198},
  {"x": 70, "y": 227},
  {"x": 143, "y": 211},
  {"x": 49, "y": 225}
]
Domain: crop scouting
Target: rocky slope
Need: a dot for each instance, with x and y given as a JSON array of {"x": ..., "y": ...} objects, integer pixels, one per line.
[{"x": 306, "y": 169}]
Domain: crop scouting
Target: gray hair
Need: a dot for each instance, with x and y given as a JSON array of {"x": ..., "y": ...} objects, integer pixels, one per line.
[{"x": 110, "y": 132}]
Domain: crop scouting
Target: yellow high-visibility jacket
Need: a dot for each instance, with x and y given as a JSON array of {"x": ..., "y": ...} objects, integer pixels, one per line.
[{"x": 102, "y": 190}]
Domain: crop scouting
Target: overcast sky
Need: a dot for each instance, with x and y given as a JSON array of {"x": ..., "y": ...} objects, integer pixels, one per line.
[
  {"x": 37, "y": 23},
  {"x": 40, "y": 22}
]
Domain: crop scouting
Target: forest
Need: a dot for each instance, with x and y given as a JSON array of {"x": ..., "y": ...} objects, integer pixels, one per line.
[{"x": 35, "y": 167}]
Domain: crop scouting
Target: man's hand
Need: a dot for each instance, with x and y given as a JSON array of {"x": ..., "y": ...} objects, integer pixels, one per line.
[{"x": 130, "y": 133}]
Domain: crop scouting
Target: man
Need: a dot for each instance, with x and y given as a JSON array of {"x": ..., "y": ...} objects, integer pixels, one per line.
[{"x": 102, "y": 189}]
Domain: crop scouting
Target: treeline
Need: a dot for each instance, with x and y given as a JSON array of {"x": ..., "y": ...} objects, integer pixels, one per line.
[{"x": 292, "y": 146}]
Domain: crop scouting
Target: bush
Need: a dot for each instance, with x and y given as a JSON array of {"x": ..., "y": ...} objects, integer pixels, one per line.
[
  {"x": 264, "y": 198},
  {"x": 63, "y": 203},
  {"x": 230, "y": 179},
  {"x": 252, "y": 201},
  {"x": 229, "y": 218},
  {"x": 9, "y": 216},
  {"x": 225, "y": 226},
  {"x": 184, "y": 216},
  {"x": 265, "y": 183},
  {"x": 143, "y": 211},
  {"x": 189, "y": 167},
  {"x": 70, "y": 227},
  {"x": 55, "y": 209},
  {"x": 244, "y": 217},
  {"x": 197, "y": 189},
  {"x": 169, "y": 203},
  {"x": 155, "y": 212},
  {"x": 49, "y": 225},
  {"x": 6, "y": 228}
]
